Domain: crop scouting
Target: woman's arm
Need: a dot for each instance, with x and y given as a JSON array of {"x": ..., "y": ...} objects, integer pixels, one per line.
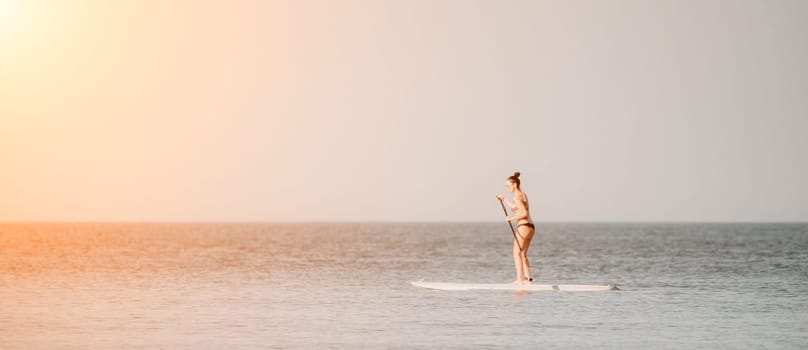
[{"x": 508, "y": 202}]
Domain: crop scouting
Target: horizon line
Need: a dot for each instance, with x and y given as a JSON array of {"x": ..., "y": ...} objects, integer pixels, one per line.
[{"x": 396, "y": 222}]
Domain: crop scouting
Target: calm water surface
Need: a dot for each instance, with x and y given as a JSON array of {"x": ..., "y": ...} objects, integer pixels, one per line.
[{"x": 314, "y": 286}]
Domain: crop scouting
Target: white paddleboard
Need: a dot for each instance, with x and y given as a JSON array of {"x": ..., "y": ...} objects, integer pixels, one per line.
[{"x": 513, "y": 286}]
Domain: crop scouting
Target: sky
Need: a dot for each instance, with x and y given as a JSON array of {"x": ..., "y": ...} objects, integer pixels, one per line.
[{"x": 146, "y": 110}]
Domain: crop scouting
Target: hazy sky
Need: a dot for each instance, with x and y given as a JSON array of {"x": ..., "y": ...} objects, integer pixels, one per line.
[{"x": 403, "y": 110}]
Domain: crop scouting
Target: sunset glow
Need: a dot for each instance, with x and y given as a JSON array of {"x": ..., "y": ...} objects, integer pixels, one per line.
[
  {"x": 9, "y": 11},
  {"x": 266, "y": 110}
]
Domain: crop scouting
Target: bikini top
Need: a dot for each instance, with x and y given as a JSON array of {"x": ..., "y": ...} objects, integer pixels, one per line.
[{"x": 515, "y": 208}]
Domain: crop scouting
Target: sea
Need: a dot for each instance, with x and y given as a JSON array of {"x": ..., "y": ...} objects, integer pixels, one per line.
[{"x": 347, "y": 286}]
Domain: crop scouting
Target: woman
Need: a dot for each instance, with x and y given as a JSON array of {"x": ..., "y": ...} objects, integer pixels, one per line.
[{"x": 524, "y": 227}]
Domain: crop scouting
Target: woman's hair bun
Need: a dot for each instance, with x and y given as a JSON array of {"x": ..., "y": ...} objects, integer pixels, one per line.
[{"x": 516, "y": 174}]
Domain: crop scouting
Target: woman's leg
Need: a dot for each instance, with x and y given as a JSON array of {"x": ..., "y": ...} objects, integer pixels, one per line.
[
  {"x": 526, "y": 232},
  {"x": 517, "y": 261},
  {"x": 519, "y": 255}
]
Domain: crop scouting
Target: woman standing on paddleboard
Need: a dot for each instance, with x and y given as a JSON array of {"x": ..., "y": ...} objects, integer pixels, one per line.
[{"x": 524, "y": 227}]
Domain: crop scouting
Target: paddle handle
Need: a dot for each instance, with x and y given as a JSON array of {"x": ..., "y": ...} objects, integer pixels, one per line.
[{"x": 511, "y": 225}]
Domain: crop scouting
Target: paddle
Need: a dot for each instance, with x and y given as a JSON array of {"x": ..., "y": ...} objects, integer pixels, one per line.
[{"x": 510, "y": 224}]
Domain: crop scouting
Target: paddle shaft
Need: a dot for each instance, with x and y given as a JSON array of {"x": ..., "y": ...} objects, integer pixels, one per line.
[{"x": 502, "y": 203}]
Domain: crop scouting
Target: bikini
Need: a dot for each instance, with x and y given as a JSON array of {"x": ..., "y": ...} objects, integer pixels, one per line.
[{"x": 528, "y": 224}]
